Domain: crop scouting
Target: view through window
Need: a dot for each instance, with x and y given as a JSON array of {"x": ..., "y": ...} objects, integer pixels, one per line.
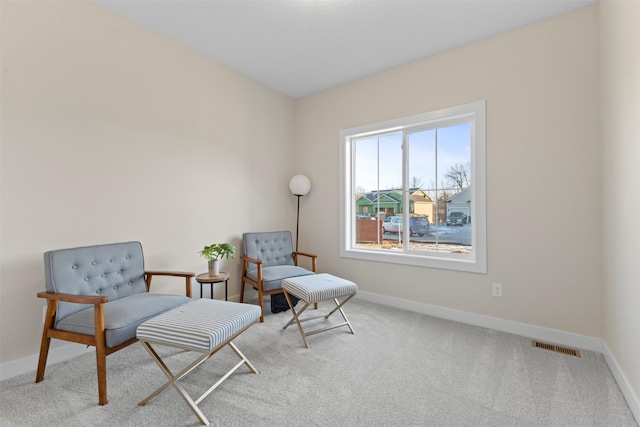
[{"x": 414, "y": 190}]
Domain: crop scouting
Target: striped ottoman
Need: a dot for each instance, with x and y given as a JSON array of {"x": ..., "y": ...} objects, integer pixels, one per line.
[
  {"x": 314, "y": 288},
  {"x": 203, "y": 326}
]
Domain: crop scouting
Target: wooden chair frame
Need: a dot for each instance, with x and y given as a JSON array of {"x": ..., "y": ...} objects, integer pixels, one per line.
[
  {"x": 98, "y": 339},
  {"x": 257, "y": 284}
]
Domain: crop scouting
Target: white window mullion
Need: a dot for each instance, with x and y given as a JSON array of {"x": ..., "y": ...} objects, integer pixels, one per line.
[{"x": 406, "y": 228}]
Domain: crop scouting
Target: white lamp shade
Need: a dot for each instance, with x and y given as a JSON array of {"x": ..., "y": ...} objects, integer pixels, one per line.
[{"x": 300, "y": 185}]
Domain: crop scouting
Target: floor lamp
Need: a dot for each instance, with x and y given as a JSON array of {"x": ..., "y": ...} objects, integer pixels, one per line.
[{"x": 299, "y": 186}]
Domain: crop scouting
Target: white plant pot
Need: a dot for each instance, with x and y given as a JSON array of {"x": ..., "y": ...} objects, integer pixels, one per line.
[{"x": 214, "y": 267}]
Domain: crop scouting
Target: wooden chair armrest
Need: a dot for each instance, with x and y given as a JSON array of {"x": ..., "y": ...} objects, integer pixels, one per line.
[
  {"x": 251, "y": 260},
  {"x": 78, "y": 299},
  {"x": 245, "y": 265},
  {"x": 305, "y": 254},
  {"x": 314, "y": 260},
  {"x": 170, "y": 273},
  {"x": 187, "y": 275}
]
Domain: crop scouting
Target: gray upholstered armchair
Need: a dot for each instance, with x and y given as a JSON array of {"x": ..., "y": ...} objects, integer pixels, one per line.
[
  {"x": 98, "y": 295},
  {"x": 267, "y": 259}
]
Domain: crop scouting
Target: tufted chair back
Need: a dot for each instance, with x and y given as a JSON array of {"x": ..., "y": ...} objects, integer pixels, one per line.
[
  {"x": 112, "y": 270},
  {"x": 272, "y": 248}
]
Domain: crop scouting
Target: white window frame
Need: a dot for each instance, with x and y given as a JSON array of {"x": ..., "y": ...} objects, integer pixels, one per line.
[{"x": 477, "y": 261}]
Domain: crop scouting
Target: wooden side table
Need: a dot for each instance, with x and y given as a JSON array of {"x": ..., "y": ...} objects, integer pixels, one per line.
[{"x": 222, "y": 277}]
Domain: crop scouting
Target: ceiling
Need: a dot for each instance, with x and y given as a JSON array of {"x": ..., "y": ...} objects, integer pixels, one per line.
[{"x": 301, "y": 47}]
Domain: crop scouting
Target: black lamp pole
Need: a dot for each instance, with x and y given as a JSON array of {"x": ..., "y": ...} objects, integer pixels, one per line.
[
  {"x": 299, "y": 186},
  {"x": 298, "y": 220}
]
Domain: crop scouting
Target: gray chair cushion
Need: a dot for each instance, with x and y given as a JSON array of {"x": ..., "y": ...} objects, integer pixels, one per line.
[
  {"x": 122, "y": 316},
  {"x": 272, "y": 276}
]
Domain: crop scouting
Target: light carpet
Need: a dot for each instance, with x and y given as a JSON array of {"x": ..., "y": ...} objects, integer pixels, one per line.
[{"x": 400, "y": 369}]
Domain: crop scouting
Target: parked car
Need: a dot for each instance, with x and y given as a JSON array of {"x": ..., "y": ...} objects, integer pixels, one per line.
[
  {"x": 417, "y": 225},
  {"x": 392, "y": 224},
  {"x": 456, "y": 218}
]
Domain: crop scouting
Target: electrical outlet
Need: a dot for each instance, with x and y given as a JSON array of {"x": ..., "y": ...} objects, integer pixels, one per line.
[{"x": 497, "y": 290}]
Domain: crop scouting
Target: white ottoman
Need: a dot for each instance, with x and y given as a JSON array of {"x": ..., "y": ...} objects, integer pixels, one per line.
[
  {"x": 315, "y": 288},
  {"x": 204, "y": 326}
]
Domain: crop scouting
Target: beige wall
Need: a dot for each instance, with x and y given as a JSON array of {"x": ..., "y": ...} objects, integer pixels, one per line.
[
  {"x": 543, "y": 161},
  {"x": 111, "y": 132},
  {"x": 620, "y": 135}
]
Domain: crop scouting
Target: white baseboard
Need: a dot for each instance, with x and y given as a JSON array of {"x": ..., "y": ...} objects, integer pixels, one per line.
[
  {"x": 553, "y": 336},
  {"x": 632, "y": 400},
  {"x": 30, "y": 363}
]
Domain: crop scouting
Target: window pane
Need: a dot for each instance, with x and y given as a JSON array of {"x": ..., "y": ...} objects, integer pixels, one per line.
[
  {"x": 439, "y": 171},
  {"x": 377, "y": 169},
  {"x": 453, "y": 229},
  {"x": 378, "y": 163}
]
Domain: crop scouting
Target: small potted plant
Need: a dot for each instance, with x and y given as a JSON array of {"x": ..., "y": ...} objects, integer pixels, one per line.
[{"x": 214, "y": 253}]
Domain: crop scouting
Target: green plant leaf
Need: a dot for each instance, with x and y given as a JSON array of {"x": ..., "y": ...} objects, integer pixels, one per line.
[{"x": 218, "y": 251}]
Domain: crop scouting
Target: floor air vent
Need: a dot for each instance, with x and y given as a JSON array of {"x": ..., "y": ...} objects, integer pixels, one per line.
[{"x": 557, "y": 348}]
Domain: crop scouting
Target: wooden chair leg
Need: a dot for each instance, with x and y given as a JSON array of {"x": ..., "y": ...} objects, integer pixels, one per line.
[
  {"x": 242, "y": 290},
  {"x": 46, "y": 340},
  {"x": 101, "y": 355},
  {"x": 261, "y": 302},
  {"x": 101, "y": 364},
  {"x": 188, "y": 285},
  {"x": 42, "y": 361}
]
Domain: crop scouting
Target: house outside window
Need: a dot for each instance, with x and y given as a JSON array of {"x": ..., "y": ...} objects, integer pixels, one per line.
[{"x": 402, "y": 174}]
